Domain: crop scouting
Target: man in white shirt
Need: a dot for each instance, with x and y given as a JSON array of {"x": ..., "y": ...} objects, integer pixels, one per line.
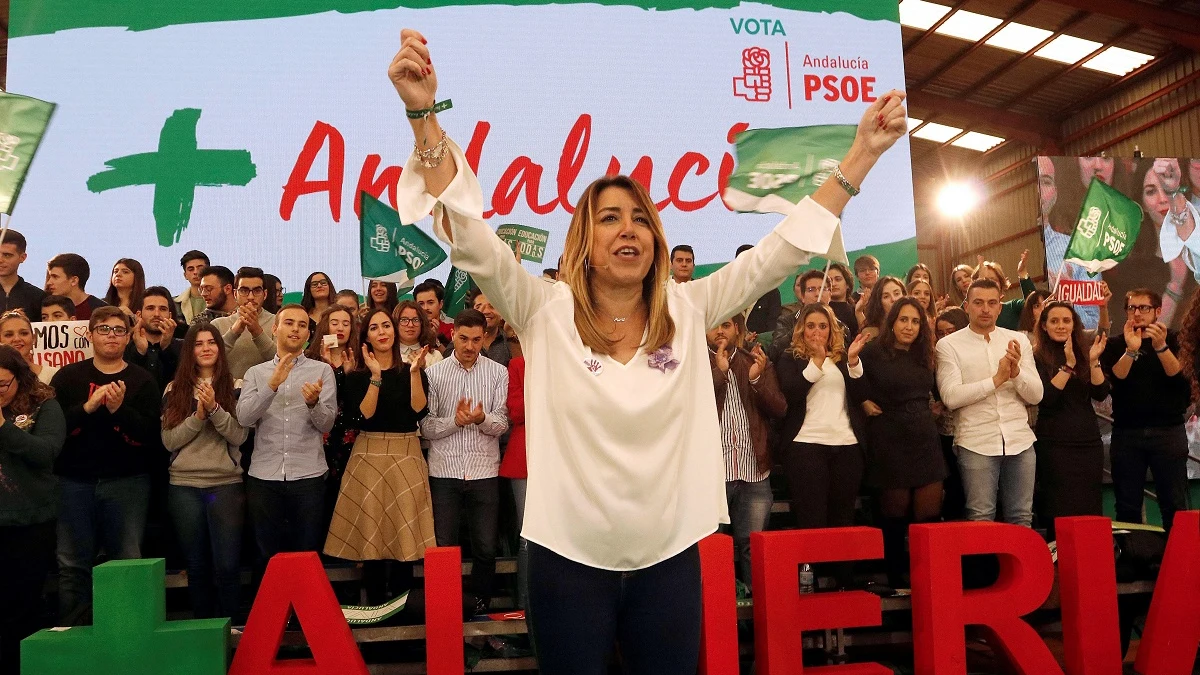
[
  {"x": 987, "y": 374},
  {"x": 468, "y": 412}
]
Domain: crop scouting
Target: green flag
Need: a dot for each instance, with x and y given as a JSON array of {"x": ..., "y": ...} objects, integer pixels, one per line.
[
  {"x": 1108, "y": 225},
  {"x": 392, "y": 251},
  {"x": 531, "y": 240},
  {"x": 457, "y": 285},
  {"x": 776, "y": 168},
  {"x": 23, "y": 122}
]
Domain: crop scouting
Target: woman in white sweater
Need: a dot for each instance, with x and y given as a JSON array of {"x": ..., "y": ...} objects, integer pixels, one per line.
[
  {"x": 624, "y": 447},
  {"x": 206, "y": 497}
]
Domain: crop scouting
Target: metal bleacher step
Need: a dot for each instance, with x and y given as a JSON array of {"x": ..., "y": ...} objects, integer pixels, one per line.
[{"x": 344, "y": 573}]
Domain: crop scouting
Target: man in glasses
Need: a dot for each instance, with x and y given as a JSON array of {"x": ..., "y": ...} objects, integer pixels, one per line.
[
  {"x": 216, "y": 289},
  {"x": 247, "y": 331},
  {"x": 1150, "y": 395},
  {"x": 112, "y": 410}
]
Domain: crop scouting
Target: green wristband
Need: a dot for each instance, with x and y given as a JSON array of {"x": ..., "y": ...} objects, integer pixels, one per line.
[{"x": 437, "y": 108}]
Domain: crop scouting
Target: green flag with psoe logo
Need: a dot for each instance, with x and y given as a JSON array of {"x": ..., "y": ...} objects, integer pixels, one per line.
[
  {"x": 392, "y": 251},
  {"x": 776, "y": 168},
  {"x": 531, "y": 240},
  {"x": 23, "y": 122},
  {"x": 457, "y": 285},
  {"x": 1108, "y": 225}
]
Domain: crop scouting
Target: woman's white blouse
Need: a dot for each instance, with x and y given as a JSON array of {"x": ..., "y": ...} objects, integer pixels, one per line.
[{"x": 624, "y": 460}]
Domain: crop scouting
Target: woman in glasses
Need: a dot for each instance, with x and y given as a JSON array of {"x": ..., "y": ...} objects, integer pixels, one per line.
[
  {"x": 318, "y": 294},
  {"x": 32, "y": 431},
  {"x": 17, "y": 332},
  {"x": 415, "y": 332}
]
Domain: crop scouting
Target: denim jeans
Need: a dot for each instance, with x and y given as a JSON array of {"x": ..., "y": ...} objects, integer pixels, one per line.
[
  {"x": 109, "y": 514},
  {"x": 518, "y": 488},
  {"x": 1164, "y": 450},
  {"x": 749, "y": 510},
  {"x": 208, "y": 523},
  {"x": 478, "y": 501},
  {"x": 26, "y": 559},
  {"x": 286, "y": 515},
  {"x": 1009, "y": 477},
  {"x": 577, "y": 612}
]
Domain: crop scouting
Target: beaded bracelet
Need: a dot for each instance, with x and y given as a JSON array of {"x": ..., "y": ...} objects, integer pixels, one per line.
[
  {"x": 432, "y": 158},
  {"x": 846, "y": 185},
  {"x": 437, "y": 108}
]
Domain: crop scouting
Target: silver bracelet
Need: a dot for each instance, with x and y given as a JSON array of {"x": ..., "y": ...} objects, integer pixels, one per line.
[
  {"x": 846, "y": 185},
  {"x": 432, "y": 158}
]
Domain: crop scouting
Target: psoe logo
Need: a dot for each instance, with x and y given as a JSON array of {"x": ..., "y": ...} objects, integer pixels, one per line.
[
  {"x": 755, "y": 81},
  {"x": 1089, "y": 224},
  {"x": 757, "y": 26}
]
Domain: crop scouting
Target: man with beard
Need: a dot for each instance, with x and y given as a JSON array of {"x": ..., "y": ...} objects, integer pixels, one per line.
[
  {"x": 216, "y": 288},
  {"x": 247, "y": 332},
  {"x": 153, "y": 345}
]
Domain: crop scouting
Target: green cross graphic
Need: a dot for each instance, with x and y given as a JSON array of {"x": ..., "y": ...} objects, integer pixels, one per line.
[
  {"x": 130, "y": 635},
  {"x": 175, "y": 170}
]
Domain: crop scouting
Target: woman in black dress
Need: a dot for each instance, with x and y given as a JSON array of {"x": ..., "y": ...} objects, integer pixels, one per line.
[
  {"x": 1070, "y": 454},
  {"x": 904, "y": 454}
]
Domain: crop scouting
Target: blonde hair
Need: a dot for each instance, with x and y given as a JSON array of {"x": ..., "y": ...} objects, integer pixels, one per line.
[
  {"x": 835, "y": 348},
  {"x": 575, "y": 269}
]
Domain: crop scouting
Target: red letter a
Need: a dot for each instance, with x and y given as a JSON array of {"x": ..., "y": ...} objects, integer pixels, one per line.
[
  {"x": 941, "y": 608},
  {"x": 297, "y": 581},
  {"x": 298, "y": 183},
  {"x": 1173, "y": 625}
]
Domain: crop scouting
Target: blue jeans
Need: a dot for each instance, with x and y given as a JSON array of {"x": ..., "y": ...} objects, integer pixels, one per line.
[
  {"x": 1009, "y": 477},
  {"x": 208, "y": 522},
  {"x": 749, "y": 510},
  {"x": 286, "y": 515},
  {"x": 518, "y": 488},
  {"x": 109, "y": 514},
  {"x": 577, "y": 612}
]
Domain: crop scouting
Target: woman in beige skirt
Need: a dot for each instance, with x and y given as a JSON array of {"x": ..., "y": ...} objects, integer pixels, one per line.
[{"x": 383, "y": 510}]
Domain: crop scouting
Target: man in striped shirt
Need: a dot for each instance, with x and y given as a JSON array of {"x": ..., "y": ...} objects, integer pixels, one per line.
[
  {"x": 748, "y": 397},
  {"x": 467, "y": 415}
]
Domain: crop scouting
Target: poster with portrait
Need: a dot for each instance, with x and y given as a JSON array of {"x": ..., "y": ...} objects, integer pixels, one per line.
[{"x": 1166, "y": 254}]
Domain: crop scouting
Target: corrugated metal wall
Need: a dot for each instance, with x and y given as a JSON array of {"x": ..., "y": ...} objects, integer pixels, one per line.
[{"x": 1006, "y": 223}]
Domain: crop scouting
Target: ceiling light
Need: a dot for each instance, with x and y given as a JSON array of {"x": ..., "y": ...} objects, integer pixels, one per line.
[
  {"x": 1067, "y": 49},
  {"x": 968, "y": 25},
  {"x": 920, "y": 14},
  {"x": 973, "y": 140},
  {"x": 913, "y": 123},
  {"x": 958, "y": 198},
  {"x": 938, "y": 133},
  {"x": 1118, "y": 61},
  {"x": 1018, "y": 37}
]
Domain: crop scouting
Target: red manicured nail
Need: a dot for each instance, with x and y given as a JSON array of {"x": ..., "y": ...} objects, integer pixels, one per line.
[
  {"x": 886, "y": 99},
  {"x": 426, "y": 71},
  {"x": 429, "y": 61},
  {"x": 424, "y": 41}
]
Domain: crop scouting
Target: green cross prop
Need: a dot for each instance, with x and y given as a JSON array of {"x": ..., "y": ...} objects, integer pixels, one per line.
[{"x": 130, "y": 635}]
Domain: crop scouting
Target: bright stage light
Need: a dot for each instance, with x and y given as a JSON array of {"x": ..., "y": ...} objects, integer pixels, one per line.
[{"x": 958, "y": 199}]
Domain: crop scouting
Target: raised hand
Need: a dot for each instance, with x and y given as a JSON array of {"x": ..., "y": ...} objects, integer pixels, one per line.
[
  {"x": 167, "y": 326},
  {"x": 411, "y": 72},
  {"x": 371, "y": 362},
  {"x": 1023, "y": 264},
  {"x": 1133, "y": 337},
  {"x": 1069, "y": 352},
  {"x": 97, "y": 398},
  {"x": 818, "y": 353},
  {"x": 1003, "y": 371},
  {"x": 418, "y": 362},
  {"x": 883, "y": 123},
  {"x": 1097, "y": 349},
  {"x": 856, "y": 348},
  {"x": 140, "y": 341},
  {"x": 941, "y": 303},
  {"x": 1158, "y": 335},
  {"x": 281, "y": 372},
  {"x": 1014, "y": 355},
  {"x": 249, "y": 315},
  {"x": 722, "y": 356},
  {"x": 311, "y": 391},
  {"x": 462, "y": 412},
  {"x": 760, "y": 362},
  {"x": 860, "y": 307},
  {"x": 750, "y": 339},
  {"x": 116, "y": 396},
  {"x": 331, "y": 356}
]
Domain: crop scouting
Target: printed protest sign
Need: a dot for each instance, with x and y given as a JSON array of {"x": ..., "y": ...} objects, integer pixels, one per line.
[
  {"x": 531, "y": 240},
  {"x": 57, "y": 343}
]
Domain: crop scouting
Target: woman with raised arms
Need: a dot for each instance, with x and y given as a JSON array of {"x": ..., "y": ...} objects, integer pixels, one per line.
[{"x": 624, "y": 446}]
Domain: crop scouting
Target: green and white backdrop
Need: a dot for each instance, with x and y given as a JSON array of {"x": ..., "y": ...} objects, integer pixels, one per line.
[{"x": 246, "y": 129}]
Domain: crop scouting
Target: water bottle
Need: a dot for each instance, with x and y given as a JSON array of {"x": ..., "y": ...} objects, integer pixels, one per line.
[{"x": 807, "y": 580}]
